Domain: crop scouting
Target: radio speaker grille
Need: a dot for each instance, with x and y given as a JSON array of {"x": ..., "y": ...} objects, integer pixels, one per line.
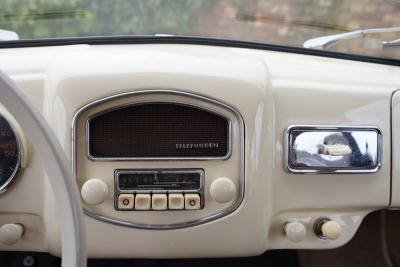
[{"x": 158, "y": 130}]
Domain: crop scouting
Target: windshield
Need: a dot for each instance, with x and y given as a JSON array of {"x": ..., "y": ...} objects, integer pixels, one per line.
[{"x": 281, "y": 22}]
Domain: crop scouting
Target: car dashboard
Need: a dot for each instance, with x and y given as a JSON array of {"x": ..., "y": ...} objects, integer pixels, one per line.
[{"x": 193, "y": 151}]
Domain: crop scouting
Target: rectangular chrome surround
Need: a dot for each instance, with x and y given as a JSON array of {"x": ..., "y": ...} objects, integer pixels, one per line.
[
  {"x": 118, "y": 190},
  {"x": 333, "y": 149}
]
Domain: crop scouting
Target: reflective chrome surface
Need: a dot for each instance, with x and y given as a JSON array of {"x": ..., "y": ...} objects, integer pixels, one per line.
[
  {"x": 319, "y": 149},
  {"x": 324, "y": 42}
]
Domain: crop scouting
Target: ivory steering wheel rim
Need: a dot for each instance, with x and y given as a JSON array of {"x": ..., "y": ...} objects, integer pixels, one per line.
[{"x": 66, "y": 193}]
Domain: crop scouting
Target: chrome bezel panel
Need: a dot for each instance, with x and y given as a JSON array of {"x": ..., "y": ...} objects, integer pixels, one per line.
[
  {"x": 310, "y": 170},
  {"x": 195, "y": 222}
]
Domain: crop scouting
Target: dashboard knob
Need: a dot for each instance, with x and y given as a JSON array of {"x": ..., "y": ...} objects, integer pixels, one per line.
[
  {"x": 11, "y": 233},
  {"x": 331, "y": 230},
  {"x": 295, "y": 231},
  {"x": 222, "y": 190},
  {"x": 94, "y": 191}
]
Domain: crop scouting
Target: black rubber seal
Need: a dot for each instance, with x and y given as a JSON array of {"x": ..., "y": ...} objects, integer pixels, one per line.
[{"x": 118, "y": 40}]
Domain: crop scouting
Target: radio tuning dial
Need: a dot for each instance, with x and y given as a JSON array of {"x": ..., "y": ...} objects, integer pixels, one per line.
[
  {"x": 223, "y": 190},
  {"x": 94, "y": 191}
]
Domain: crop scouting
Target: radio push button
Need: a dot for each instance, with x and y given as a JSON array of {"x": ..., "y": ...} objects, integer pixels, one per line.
[
  {"x": 126, "y": 201},
  {"x": 176, "y": 202},
  {"x": 192, "y": 201},
  {"x": 142, "y": 202},
  {"x": 159, "y": 202}
]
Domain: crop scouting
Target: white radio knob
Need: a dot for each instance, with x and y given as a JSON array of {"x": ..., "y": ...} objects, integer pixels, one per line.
[
  {"x": 223, "y": 190},
  {"x": 11, "y": 233},
  {"x": 295, "y": 231},
  {"x": 94, "y": 191}
]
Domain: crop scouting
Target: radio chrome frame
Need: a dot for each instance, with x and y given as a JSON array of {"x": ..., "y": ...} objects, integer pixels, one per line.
[
  {"x": 195, "y": 222},
  {"x": 91, "y": 157},
  {"x": 118, "y": 191}
]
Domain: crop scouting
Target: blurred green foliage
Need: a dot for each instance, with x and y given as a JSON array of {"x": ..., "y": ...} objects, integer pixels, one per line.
[
  {"x": 69, "y": 18},
  {"x": 282, "y": 22}
]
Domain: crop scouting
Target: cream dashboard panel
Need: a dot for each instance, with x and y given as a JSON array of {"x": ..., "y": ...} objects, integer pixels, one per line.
[{"x": 270, "y": 91}]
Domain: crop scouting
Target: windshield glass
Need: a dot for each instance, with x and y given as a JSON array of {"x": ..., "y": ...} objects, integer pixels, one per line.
[{"x": 281, "y": 22}]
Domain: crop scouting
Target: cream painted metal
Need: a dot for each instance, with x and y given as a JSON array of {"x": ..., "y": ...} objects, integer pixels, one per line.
[
  {"x": 270, "y": 90},
  {"x": 67, "y": 196},
  {"x": 395, "y": 201}
]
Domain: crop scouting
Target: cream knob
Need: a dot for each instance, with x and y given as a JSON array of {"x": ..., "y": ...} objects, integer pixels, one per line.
[
  {"x": 11, "y": 233},
  {"x": 331, "y": 230},
  {"x": 223, "y": 190},
  {"x": 295, "y": 231},
  {"x": 94, "y": 191}
]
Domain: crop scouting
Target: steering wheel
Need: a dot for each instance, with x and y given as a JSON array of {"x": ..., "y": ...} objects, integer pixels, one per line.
[{"x": 66, "y": 193}]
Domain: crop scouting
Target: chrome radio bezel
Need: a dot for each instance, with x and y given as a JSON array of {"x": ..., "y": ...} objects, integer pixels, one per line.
[{"x": 144, "y": 95}]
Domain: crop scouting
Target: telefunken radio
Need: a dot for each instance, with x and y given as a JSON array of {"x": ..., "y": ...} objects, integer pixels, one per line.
[{"x": 159, "y": 159}]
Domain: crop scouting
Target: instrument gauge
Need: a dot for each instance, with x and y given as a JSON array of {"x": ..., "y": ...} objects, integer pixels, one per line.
[{"x": 10, "y": 153}]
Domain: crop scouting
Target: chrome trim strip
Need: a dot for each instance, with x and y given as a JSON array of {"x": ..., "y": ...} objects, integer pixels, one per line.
[
  {"x": 209, "y": 218},
  {"x": 332, "y": 128},
  {"x": 18, "y": 169},
  {"x": 89, "y": 155}
]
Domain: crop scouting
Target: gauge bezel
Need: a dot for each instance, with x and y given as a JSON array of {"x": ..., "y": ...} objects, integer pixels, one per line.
[{"x": 18, "y": 139}]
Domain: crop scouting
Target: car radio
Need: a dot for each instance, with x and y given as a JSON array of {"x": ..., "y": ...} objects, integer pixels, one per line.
[
  {"x": 159, "y": 189},
  {"x": 158, "y": 159}
]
